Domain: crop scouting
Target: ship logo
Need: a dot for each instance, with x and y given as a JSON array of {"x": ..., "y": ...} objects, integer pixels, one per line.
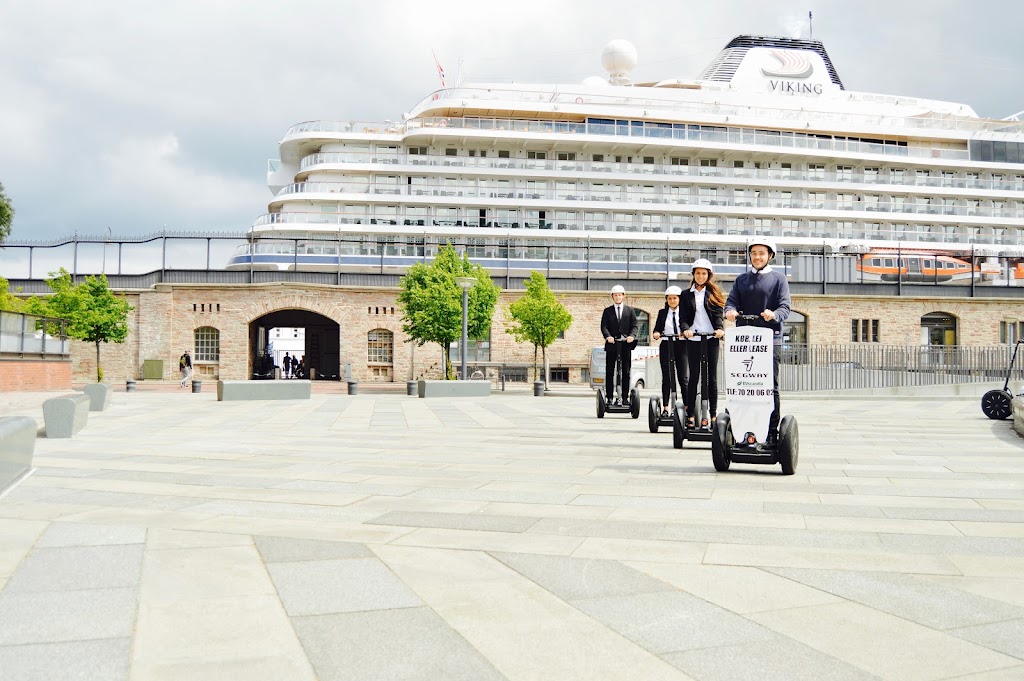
[{"x": 792, "y": 64}]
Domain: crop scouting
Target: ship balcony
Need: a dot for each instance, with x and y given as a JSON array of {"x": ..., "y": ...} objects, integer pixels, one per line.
[{"x": 351, "y": 161}]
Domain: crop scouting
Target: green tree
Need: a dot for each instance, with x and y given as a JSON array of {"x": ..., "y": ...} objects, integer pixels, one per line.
[
  {"x": 431, "y": 301},
  {"x": 6, "y": 214},
  {"x": 7, "y": 299},
  {"x": 538, "y": 317},
  {"x": 93, "y": 313}
]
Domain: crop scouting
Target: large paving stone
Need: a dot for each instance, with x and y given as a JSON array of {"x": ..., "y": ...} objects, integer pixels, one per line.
[
  {"x": 99, "y": 660},
  {"x": 328, "y": 586}
]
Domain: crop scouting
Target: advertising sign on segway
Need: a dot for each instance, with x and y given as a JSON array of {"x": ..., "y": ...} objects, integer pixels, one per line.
[{"x": 748, "y": 379}]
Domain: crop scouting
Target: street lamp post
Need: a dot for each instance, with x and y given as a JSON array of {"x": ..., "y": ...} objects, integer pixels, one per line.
[{"x": 465, "y": 283}]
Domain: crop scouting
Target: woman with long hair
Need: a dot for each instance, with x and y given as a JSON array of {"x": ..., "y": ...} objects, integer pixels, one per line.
[{"x": 703, "y": 306}]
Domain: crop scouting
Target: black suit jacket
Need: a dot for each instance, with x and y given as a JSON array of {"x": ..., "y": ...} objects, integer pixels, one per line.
[
  {"x": 659, "y": 325},
  {"x": 688, "y": 311},
  {"x": 629, "y": 325}
]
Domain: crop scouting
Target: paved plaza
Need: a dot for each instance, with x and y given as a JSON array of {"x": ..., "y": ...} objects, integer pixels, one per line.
[{"x": 381, "y": 537}]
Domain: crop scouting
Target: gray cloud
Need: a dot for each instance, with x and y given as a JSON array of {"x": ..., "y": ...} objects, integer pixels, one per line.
[{"x": 138, "y": 115}]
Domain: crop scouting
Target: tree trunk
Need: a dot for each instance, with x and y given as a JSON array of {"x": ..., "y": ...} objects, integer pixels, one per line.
[
  {"x": 99, "y": 374},
  {"x": 535, "y": 373},
  {"x": 544, "y": 362},
  {"x": 447, "y": 361}
]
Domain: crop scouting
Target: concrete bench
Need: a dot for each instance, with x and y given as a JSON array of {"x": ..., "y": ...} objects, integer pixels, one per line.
[
  {"x": 454, "y": 388},
  {"x": 66, "y": 415},
  {"x": 17, "y": 442},
  {"x": 233, "y": 391},
  {"x": 99, "y": 395}
]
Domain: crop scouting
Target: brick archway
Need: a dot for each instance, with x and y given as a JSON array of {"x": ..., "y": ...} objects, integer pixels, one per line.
[{"x": 316, "y": 351}]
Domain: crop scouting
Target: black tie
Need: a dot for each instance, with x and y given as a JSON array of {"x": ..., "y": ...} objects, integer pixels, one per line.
[
  {"x": 675, "y": 322},
  {"x": 618, "y": 313}
]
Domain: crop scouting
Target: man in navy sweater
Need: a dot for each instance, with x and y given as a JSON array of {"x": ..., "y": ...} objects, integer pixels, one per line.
[{"x": 763, "y": 292}]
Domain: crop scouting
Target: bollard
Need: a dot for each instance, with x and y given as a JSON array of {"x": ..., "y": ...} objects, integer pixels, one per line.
[
  {"x": 197, "y": 386},
  {"x": 503, "y": 383},
  {"x": 353, "y": 388},
  {"x": 538, "y": 388},
  {"x": 412, "y": 388},
  {"x": 129, "y": 385}
]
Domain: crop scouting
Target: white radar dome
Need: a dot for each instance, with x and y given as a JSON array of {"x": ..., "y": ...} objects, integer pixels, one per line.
[
  {"x": 594, "y": 81},
  {"x": 619, "y": 58}
]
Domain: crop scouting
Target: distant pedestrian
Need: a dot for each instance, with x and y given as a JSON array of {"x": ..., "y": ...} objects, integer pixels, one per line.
[
  {"x": 185, "y": 367},
  {"x": 286, "y": 365},
  {"x": 300, "y": 367}
]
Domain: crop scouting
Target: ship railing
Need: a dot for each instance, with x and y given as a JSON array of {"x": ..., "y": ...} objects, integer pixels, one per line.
[
  {"x": 672, "y": 106},
  {"x": 705, "y": 134},
  {"x": 865, "y": 176},
  {"x": 712, "y": 226},
  {"x": 712, "y": 198}
]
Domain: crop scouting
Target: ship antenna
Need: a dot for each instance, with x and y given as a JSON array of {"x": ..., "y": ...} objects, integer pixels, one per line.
[{"x": 810, "y": 23}]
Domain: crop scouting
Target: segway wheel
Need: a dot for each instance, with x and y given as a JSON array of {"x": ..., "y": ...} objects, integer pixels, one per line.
[
  {"x": 634, "y": 403},
  {"x": 653, "y": 412},
  {"x": 721, "y": 445},
  {"x": 997, "y": 404},
  {"x": 678, "y": 433},
  {"x": 789, "y": 444},
  {"x": 601, "y": 404}
]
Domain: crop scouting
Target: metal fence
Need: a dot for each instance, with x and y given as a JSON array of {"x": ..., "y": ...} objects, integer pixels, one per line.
[
  {"x": 25, "y": 335},
  {"x": 871, "y": 365}
]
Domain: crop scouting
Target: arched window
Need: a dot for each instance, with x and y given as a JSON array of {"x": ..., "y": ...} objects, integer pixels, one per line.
[
  {"x": 794, "y": 330},
  {"x": 207, "y": 344},
  {"x": 938, "y": 328},
  {"x": 643, "y": 336},
  {"x": 380, "y": 346}
]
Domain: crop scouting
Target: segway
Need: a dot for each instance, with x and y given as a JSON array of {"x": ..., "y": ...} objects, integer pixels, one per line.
[
  {"x": 750, "y": 396},
  {"x": 618, "y": 405},
  {"x": 997, "y": 404},
  {"x": 702, "y": 429},
  {"x": 655, "y": 418}
]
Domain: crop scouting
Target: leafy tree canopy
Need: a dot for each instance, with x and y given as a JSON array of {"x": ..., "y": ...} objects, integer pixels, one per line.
[
  {"x": 6, "y": 215},
  {"x": 7, "y": 299},
  {"x": 431, "y": 300},
  {"x": 93, "y": 313},
  {"x": 538, "y": 317}
]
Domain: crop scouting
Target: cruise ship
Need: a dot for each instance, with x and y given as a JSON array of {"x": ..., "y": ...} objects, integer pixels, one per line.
[{"x": 612, "y": 177}]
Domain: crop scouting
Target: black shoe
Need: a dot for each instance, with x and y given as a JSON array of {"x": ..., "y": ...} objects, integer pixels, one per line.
[{"x": 772, "y": 440}]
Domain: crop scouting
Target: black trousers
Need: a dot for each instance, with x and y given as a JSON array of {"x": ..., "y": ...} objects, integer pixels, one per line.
[
  {"x": 773, "y": 422},
  {"x": 620, "y": 349},
  {"x": 693, "y": 354},
  {"x": 677, "y": 350}
]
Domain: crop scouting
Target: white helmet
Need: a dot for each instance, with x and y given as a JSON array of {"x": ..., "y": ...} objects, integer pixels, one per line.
[
  {"x": 618, "y": 289},
  {"x": 673, "y": 291},
  {"x": 765, "y": 241},
  {"x": 702, "y": 263}
]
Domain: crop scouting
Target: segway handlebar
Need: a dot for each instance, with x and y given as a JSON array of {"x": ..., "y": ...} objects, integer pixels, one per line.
[
  {"x": 749, "y": 317},
  {"x": 706, "y": 334}
]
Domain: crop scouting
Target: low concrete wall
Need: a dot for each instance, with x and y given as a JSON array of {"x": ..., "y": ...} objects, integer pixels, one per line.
[
  {"x": 99, "y": 395},
  {"x": 64, "y": 416},
  {"x": 233, "y": 391},
  {"x": 1018, "y": 415},
  {"x": 454, "y": 388},
  {"x": 17, "y": 442},
  {"x": 34, "y": 375}
]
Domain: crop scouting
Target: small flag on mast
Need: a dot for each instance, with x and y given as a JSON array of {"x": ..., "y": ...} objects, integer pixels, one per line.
[{"x": 440, "y": 71}]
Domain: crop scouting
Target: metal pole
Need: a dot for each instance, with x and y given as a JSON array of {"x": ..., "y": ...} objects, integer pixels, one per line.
[
  {"x": 972, "y": 269},
  {"x": 163, "y": 254},
  {"x": 30, "y": 249},
  {"x": 208, "y": 254},
  {"x": 465, "y": 329},
  {"x": 119, "y": 245}
]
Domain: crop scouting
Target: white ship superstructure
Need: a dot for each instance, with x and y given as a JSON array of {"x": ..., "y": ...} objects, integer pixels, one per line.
[{"x": 613, "y": 176}]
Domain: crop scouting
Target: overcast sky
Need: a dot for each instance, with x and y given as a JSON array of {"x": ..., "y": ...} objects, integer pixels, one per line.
[{"x": 140, "y": 115}]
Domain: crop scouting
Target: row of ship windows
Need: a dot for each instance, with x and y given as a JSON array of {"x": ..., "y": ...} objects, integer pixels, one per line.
[
  {"x": 704, "y": 167},
  {"x": 715, "y": 225},
  {"x": 674, "y": 194}
]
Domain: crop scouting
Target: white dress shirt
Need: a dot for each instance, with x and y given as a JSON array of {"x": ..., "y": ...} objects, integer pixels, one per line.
[
  {"x": 670, "y": 326},
  {"x": 701, "y": 321}
]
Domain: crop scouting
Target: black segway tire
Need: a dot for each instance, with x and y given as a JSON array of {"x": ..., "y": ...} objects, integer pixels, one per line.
[
  {"x": 634, "y": 403},
  {"x": 601, "y": 403},
  {"x": 678, "y": 433},
  {"x": 789, "y": 444},
  {"x": 720, "y": 445},
  {"x": 997, "y": 404},
  {"x": 653, "y": 413}
]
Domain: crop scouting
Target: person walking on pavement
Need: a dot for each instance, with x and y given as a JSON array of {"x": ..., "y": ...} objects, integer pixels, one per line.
[
  {"x": 286, "y": 365},
  {"x": 618, "y": 320},
  {"x": 185, "y": 367}
]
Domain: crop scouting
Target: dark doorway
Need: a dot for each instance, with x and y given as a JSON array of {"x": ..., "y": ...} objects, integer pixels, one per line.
[{"x": 320, "y": 352}]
